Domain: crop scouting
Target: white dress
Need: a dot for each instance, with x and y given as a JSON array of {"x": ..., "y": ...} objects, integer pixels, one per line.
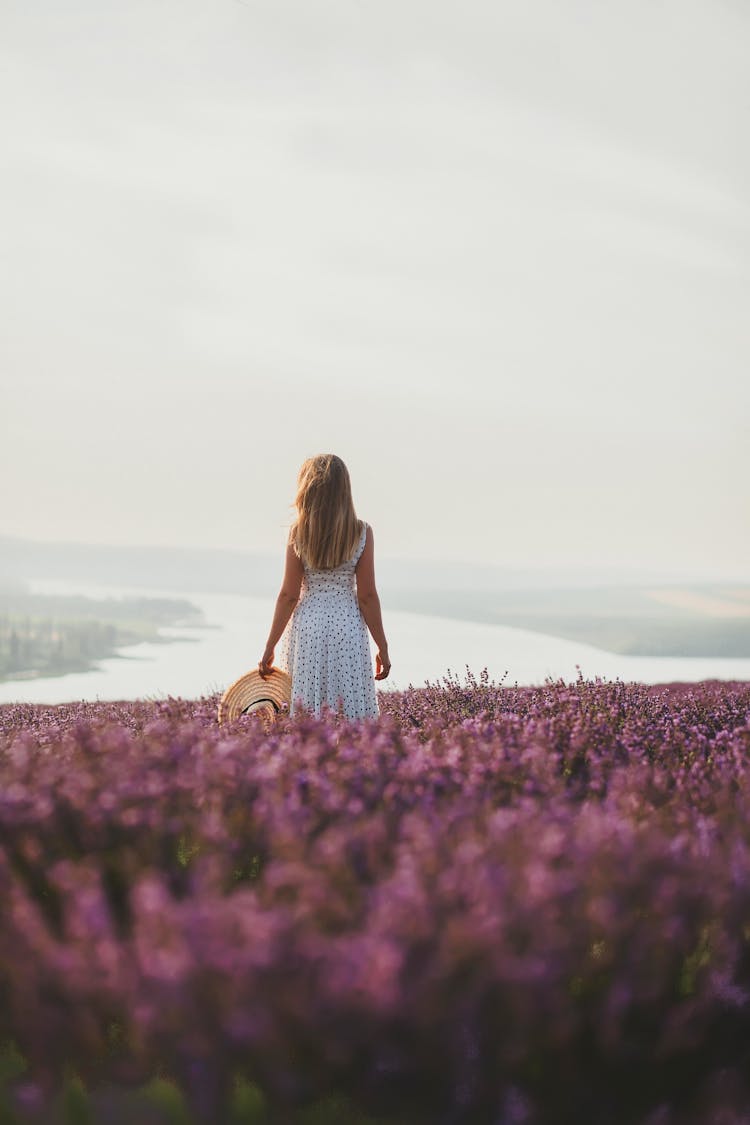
[{"x": 325, "y": 647}]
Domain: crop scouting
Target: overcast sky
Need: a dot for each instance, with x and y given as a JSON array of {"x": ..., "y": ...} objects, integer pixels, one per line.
[{"x": 495, "y": 255}]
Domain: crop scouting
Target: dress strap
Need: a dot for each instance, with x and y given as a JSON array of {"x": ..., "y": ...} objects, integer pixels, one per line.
[{"x": 361, "y": 544}]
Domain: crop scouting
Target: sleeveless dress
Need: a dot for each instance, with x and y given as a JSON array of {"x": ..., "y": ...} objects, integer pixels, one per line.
[{"x": 325, "y": 647}]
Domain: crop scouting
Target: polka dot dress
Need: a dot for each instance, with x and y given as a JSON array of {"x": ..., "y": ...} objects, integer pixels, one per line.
[{"x": 325, "y": 647}]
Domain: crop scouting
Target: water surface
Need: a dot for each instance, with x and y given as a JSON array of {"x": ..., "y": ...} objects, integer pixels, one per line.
[{"x": 201, "y": 661}]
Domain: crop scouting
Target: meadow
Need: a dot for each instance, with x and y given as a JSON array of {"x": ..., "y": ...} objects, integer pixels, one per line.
[{"x": 493, "y": 905}]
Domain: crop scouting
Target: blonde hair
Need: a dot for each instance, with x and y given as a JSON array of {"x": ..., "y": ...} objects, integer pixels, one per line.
[{"x": 326, "y": 530}]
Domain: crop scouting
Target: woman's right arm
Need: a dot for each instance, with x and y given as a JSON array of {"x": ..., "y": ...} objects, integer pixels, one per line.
[
  {"x": 285, "y": 603},
  {"x": 369, "y": 604}
]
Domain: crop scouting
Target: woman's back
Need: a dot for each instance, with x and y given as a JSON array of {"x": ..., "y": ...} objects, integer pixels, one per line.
[
  {"x": 325, "y": 647},
  {"x": 338, "y": 580},
  {"x": 328, "y": 605}
]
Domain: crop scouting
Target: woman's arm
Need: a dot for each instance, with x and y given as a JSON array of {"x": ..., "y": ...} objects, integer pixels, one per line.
[
  {"x": 369, "y": 604},
  {"x": 285, "y": 603}
]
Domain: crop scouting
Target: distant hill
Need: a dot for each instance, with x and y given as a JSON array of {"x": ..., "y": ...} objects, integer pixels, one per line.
[
  {"x": 167, "y": 568},
  {"x": 209, "y": 570}
]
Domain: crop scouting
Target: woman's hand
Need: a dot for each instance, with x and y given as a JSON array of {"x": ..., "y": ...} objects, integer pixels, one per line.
[
  {"x": 382, "y": 664},
  {"x": 265, "y": 664}
]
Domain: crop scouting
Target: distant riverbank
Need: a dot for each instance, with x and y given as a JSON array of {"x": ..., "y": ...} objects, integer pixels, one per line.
[
  {"x": 711, "y": 621},
  {"x": 44, "y": 635}
]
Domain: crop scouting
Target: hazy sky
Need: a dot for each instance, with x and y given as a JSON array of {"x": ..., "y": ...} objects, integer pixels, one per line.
[{"x": 495, "y": 255}]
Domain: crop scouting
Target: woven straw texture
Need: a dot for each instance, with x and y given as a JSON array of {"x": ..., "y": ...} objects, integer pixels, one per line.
[{"x": 252, "y": 693}]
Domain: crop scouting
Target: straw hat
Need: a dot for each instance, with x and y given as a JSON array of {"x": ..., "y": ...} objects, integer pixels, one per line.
[{"x": 253, "y": 693}]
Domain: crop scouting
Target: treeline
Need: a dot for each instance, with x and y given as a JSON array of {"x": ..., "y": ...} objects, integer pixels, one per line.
[
  {"x": 47, "y": 647},
  {"x": 48, "y": 635}
]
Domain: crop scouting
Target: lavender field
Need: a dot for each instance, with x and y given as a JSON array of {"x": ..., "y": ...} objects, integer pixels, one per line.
[{"x": 492, "y": 905}]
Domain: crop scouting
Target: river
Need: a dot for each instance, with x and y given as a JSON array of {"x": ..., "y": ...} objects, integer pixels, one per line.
[{"x": 203, "y": 660}]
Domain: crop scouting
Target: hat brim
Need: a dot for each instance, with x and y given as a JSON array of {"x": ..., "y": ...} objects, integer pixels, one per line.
[{"x": 253, "y": 691}]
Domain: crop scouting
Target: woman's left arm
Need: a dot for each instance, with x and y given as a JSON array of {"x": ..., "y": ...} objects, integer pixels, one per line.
[{"x": 285, "y": 603}]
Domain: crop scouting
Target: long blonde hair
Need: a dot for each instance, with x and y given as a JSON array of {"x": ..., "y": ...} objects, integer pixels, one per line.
[{"x": 326, "y": 530}]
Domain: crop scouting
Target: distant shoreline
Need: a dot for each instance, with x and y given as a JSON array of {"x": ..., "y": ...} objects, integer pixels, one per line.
[
  {"x": 712, "y": 623},
  {"x": 49, "y": 635}
]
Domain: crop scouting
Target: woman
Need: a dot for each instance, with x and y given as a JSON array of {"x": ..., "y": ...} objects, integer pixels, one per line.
[{"x": 328, "y": 599}]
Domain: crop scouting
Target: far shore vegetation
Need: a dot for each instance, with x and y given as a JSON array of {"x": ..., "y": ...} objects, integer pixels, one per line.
[{"x": 51, "y": 635}]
